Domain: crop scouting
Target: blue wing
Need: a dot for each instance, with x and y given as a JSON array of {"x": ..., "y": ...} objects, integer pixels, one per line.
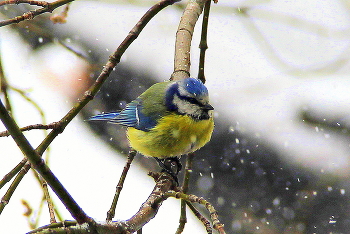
[{"x": 131, "y": 116}]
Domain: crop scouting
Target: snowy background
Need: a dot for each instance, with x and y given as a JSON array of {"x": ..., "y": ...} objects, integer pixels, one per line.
[{"x": 277, "y": 73}]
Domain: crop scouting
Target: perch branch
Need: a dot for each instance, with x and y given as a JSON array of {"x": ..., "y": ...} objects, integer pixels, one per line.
[{"x": 183, "y": 41}]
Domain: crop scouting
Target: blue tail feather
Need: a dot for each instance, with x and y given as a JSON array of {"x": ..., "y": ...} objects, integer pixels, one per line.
[{"x": 105, "y": 116}]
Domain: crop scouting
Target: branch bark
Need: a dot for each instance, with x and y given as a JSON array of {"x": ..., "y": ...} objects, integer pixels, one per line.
[{"x": 182, "y": 62}]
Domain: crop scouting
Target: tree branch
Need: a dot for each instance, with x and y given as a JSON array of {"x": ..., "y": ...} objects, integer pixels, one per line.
[
  {"x": 49, "y": 7},
  {"x": 30, "y": 2},
  {"x": 111, "y": 211},
  {"x": 13, "y": 172},
  {"x": 182, "y": 62},
  {"x": 54, "y": 125},
  {"x": 194, "y": 199},
  {"x": 203, "y": 46}
]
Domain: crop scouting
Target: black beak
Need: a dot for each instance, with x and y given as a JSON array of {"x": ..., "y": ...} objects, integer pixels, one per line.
[{"x": 208, "y": 107}]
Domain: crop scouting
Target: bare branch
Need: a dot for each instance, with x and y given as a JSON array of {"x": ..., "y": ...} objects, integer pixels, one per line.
[
  {"x": 54, "y": 125},
  {"x": 203, "y": 46},
  {"x": 6, "y": 198},
  {"x": 194, "y": 199},
  {"x": 182, "y": 62},
  {"x": 30, "y": 2},
  {"x": 111, "y": 211},
  {"x": 205, "y": 222},
  {"x": 13, "y": 172},
  {"x": 185, "y": 185},
  {"x": 49, "y": 7}
]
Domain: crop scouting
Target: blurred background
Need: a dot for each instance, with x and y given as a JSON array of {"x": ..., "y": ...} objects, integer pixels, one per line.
[{"x": 277, "y": 74}]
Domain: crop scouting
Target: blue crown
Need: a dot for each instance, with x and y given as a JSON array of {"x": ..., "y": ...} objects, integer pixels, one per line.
[{"x": 195, "y": 87}]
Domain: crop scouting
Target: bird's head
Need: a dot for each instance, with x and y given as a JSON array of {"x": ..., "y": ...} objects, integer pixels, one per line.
[{"x": 189, "y": 97}]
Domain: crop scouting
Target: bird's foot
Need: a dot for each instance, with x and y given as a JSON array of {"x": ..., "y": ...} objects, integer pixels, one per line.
[{"x": 172, "y": 166}]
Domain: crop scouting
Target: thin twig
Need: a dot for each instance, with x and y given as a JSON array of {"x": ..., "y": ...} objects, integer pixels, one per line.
[
  {"x": 6, "y": 198},
  {"x": 4, "y": 87},
  {"x": 201, "y": 218},
  {"x": 54, "y": 125},
  {"x": 182, "y": 219},
  {"x": 194, "y": 199},
  {"x": 30, "y": 2},
  {"x": 111, "y": 211},
  {"x": 13, "y": 172},
  {"x": 185, "y": 185},
  {"x": 203, "y": 45},
  {"x": 31, "y": 14},
  {"x": 47, "y": 198}
]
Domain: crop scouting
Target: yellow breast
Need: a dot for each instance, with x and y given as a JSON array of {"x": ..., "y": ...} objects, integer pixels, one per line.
[{"x": 174, "y": 135}]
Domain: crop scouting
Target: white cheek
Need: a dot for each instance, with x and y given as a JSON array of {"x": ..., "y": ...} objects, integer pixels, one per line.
[
  {"x": 190, "y": 109},
  {"x": 186, "y": 107}
]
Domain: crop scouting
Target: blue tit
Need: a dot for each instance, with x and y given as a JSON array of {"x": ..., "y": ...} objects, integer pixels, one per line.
[{"x": 169, "y": 119}]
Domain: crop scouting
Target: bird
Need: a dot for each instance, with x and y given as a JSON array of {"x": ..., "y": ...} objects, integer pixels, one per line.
[{"x": 169, "y": 119}]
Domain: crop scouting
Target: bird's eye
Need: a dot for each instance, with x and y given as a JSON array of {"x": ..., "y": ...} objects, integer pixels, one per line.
[{"x": 193, "y": 101}]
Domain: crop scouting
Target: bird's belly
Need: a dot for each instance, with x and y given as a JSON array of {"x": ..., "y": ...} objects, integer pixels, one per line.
[{"x": 174, "y": 135}]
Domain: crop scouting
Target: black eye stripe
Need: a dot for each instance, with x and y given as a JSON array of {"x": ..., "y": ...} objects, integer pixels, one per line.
[{"x": 191, "y": 100}]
